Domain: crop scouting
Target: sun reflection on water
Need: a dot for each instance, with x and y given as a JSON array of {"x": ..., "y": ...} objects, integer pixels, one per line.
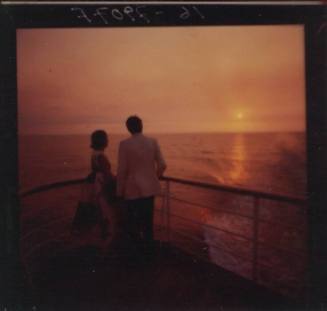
[{"x": 237, "y": 171}]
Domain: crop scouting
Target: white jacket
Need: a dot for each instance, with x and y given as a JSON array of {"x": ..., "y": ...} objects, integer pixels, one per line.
[{"x": 140, "y": 162}]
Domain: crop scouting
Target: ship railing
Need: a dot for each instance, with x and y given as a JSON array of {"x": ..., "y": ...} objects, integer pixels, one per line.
[
  {"x": 167, "y": 214},
  {"x": 256, "y": 196}
]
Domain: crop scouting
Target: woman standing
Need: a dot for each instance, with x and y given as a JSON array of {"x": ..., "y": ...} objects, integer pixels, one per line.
[{"x": 95, "y": 216}]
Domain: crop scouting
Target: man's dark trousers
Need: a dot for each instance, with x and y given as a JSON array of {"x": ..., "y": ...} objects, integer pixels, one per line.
[{"x": 140, "y": 221}]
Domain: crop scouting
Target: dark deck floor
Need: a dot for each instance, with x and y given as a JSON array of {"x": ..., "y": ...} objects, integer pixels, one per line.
[{"x": 171, "y": 280}]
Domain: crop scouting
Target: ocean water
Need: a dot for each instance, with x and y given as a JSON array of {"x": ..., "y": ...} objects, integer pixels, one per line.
[
  {"x": 216, "y": 225},
  {"x": 269, "y": 162}
]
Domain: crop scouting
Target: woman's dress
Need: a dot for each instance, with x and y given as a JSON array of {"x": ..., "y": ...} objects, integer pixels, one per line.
[{"x": 95, "y": 221}]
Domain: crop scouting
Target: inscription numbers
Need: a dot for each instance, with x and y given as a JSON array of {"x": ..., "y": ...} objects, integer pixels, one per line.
[{"x": 140, "y": 13}]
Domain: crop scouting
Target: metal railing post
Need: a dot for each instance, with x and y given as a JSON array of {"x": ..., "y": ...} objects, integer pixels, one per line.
[
  {"x": 162, "y": 218},
  {"x": 168, "y": 210},
  {"x": 255, "y": 238}
]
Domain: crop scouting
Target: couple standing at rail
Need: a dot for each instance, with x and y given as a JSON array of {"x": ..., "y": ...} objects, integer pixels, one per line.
[{"x": 132, "y": 192}]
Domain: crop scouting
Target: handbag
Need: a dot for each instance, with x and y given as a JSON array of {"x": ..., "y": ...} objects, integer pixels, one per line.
[{"x": 87, "y": 212}]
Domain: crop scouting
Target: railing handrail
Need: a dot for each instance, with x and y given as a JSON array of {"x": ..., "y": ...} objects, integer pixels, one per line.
[
  {"x": 54, "y": 185},
  {"x": 237, "y": 190}
]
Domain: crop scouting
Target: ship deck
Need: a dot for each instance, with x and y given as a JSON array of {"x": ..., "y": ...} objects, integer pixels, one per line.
[
  {"x": 169, "y": 280},
  {"x": 63, "y": 273}
]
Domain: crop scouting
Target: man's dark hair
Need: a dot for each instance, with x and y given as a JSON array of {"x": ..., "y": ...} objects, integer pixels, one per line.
[
  {"x": 99, "y": 140},
  {"x": 134, "y": 124}
]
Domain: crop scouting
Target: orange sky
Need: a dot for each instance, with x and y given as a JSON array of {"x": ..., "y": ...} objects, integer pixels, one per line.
[{"x": 178, "y": 79}]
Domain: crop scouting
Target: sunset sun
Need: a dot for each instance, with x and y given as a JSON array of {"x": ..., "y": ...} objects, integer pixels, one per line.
[{"x": 239, "y": 115}]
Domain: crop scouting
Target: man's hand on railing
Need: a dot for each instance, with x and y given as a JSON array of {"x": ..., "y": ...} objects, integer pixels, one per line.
[{"x": 160, "y": 173}]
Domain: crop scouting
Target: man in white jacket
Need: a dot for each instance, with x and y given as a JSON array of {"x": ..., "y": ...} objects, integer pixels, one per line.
[{"x": 140, "y": 164}]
